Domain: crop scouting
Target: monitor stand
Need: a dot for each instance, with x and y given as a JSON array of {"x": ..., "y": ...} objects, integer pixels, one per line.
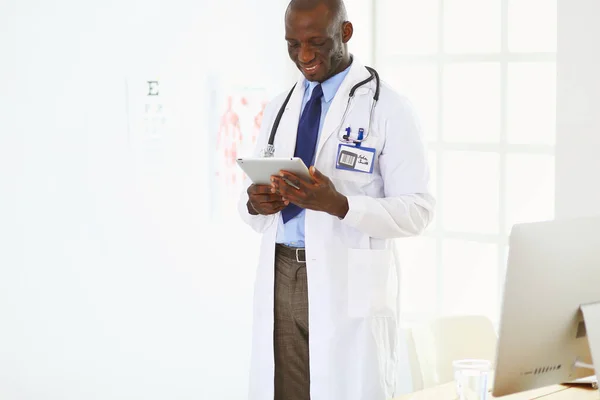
[{"x": 591, "y": 317}]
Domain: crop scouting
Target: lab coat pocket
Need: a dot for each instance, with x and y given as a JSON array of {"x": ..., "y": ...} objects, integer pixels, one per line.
[{"x": 368, "y": 278}]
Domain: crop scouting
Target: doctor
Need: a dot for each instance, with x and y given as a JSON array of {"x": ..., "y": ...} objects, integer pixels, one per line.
[{"x": 325, "y": 308}]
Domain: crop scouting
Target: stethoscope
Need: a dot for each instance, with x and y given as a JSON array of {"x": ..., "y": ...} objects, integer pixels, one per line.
[{"x": 269, "y": 151}]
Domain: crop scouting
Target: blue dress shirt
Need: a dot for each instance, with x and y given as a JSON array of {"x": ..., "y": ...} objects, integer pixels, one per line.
[{"x": 292, "y": 233}]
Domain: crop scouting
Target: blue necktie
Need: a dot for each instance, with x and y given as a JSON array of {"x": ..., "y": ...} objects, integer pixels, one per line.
[{"x": 306, "y": 141}]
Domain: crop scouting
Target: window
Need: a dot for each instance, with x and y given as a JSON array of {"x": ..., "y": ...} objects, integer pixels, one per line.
[{"x": 481, "y": 75}]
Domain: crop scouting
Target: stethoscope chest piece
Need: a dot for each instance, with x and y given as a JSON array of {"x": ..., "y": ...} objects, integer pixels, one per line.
[{"x": 268, "y": 151}]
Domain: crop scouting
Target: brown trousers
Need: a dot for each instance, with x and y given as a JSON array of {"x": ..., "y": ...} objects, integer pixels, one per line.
[{"x": 290, "y": 335}]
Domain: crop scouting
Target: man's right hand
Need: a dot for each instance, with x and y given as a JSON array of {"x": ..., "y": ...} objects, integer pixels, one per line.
[{"x": 261, "y": 200}]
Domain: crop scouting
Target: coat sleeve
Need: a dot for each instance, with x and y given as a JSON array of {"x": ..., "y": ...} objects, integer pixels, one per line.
[
  {"x": 259, "y": 223},
  {"x": 407, "y": 206}
]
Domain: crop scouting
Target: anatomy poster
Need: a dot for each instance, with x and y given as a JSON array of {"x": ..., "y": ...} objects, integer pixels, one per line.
[{"x": 237, "y": 112}]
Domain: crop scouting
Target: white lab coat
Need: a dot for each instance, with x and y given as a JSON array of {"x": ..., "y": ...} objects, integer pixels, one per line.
[{"x": 357, "y": 351}]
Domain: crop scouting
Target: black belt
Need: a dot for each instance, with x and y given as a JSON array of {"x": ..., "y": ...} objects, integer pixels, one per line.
[{"x": 297, "y": 254}]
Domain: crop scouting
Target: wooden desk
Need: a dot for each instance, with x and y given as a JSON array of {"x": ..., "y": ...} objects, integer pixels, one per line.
[
  {"x": 558, "y": 392},
  {"x": 574, "y": 393}
]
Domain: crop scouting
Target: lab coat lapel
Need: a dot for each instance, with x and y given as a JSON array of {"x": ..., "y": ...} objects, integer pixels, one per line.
[
  {"x": 357, "y": 73},
  {"x": 288, "y": 126}
]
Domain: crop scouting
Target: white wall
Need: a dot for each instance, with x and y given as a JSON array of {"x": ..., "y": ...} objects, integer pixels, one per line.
[
  {"x": 114, "y": 284},
  {"x": 360, "y": 13},
  {"x": 578, "y": 109}
]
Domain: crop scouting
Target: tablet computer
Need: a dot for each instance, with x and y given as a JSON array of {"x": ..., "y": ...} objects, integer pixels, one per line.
[{"x": 260, "y": 170}]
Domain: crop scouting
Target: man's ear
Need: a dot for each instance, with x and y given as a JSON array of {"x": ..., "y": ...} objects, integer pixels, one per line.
[{"x": 347, "y": 31}]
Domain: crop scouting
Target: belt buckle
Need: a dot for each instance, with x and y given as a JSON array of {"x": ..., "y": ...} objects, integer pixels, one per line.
[{"x": 297, "y": 256}]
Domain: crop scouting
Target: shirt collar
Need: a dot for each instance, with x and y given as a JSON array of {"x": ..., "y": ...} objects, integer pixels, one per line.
[{"x": 330, "y": 86}]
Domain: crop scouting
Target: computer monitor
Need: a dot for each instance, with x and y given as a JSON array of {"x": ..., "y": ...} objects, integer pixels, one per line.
[{"x": 553, "y": 270}]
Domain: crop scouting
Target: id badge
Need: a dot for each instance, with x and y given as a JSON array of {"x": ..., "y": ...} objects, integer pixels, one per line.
[{"x": 352, "y": 158}]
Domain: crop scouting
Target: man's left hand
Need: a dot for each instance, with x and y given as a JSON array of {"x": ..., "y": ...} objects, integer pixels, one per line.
[{"x": 317, "y": 194}]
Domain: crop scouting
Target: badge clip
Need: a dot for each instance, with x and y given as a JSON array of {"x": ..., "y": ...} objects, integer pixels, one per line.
[
  {"x": 361, "y": 135},
  {"x": 347, "y": 135}
]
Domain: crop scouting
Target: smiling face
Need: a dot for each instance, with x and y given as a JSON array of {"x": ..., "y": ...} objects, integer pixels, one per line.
[{"x": 317, "y": 41}]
